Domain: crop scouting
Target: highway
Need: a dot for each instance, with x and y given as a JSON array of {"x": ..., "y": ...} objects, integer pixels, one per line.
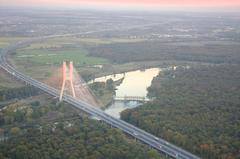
[{"x": 147, "y": 138}]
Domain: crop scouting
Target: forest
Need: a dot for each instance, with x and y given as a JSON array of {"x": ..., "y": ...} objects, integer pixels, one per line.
[
  {"x": 197, "y": 109},
  {"x": 21, "y": 92},
  {"x": 162, "y": 51},
  {"x": 83, "y": 138},
  {"x": 39, "y": 127}
]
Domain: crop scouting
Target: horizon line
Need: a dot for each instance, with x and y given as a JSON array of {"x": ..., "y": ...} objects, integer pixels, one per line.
[{"x": 150, "y": 9}]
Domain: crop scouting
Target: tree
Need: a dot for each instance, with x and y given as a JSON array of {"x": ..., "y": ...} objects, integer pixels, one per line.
[
  {"x": 153, "y": 154},
  {"x": 19, "y": 116},
  {"x": 110, "y": 84},
  {"x": 15, "y": 131},
  {"x": 35, "y": 103},
  {"x": 60, "y": 125},
  {"x": 2, "y": 121}
]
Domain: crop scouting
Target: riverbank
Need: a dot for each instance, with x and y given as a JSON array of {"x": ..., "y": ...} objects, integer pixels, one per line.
[
  {"x": 105, "y": 91},
  {"x": 133, "y": 84}
]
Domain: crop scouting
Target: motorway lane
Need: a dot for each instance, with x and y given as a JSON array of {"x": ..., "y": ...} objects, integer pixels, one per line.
[{"x": 145, "y": 137}]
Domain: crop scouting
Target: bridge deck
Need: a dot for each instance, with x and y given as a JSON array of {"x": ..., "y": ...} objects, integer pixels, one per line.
[{"x": 131, "y": 98}]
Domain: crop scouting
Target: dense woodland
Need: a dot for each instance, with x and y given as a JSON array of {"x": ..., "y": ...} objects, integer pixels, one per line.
[
  {"x": 157, "y": 50},
  {"x": 83, "y": 138},
  {"x": 46, "y": 129},
  {"x": 21, "y": 92},
  {"x": 197, "y": 109}
]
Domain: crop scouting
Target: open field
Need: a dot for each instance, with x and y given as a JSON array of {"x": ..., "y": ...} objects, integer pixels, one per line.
[
  {"x": 61, "y": 42},
  {"x": 5, "y": 41},
  {"x": 56, "y": 57},
  {"x": 41, "y": 59},
  {"x": 95, "y": 40},
  {"x": 54, "y": 51}
]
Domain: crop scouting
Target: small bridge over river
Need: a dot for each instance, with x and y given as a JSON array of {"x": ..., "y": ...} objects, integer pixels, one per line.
[{"x": 131, "y": 98}]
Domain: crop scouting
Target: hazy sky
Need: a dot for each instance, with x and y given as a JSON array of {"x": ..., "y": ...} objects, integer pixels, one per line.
[{"x": 125, "y": 3}]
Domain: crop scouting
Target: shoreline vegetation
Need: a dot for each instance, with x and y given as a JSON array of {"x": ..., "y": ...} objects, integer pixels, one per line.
[
  {"x": 105, "y": 91},
  {"x": 194, "y": 110}
]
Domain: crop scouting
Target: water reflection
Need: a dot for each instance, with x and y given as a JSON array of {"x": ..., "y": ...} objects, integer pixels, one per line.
[
  {"x": 116, "y": 108},
  {"x": 135, "y": 83}
]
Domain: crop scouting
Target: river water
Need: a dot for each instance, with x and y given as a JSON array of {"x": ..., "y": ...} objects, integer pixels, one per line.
[{"x": 135, "y": 83}]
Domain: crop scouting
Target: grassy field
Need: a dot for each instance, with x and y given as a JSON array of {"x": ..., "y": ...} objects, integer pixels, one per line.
[
  {"x": 41, "y": 59},
  {"x": 92, "y": 40},
  {"x": 41, "y": 63},
  {"x": 65, "y": 41},
  {"x": 5, "y": 41},
  {"x": 56, "y": 50},
  {"x": 57, "y": 56}
]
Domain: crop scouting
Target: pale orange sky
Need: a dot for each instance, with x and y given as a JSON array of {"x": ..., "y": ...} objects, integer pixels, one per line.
[{"x": 124, "y": 3}]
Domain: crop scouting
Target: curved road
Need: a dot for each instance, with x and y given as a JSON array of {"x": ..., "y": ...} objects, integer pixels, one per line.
[{"x": 147, "y": 138}]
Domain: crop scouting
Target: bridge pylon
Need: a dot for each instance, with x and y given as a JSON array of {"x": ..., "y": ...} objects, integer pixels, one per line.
[{"x": 67, "y": 75}]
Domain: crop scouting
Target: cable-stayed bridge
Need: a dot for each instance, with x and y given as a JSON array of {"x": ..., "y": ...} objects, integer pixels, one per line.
[{"x": 149, "y": 139}]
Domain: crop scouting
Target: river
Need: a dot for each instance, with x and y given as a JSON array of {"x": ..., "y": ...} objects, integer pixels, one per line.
[{"x": 135, "y": 83}]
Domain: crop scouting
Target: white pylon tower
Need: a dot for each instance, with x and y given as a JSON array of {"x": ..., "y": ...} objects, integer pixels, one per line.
[{"x": 67, "y": 76}]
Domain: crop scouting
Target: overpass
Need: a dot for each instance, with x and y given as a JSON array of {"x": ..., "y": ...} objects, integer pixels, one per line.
[{"x": 147, "y": 138}]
